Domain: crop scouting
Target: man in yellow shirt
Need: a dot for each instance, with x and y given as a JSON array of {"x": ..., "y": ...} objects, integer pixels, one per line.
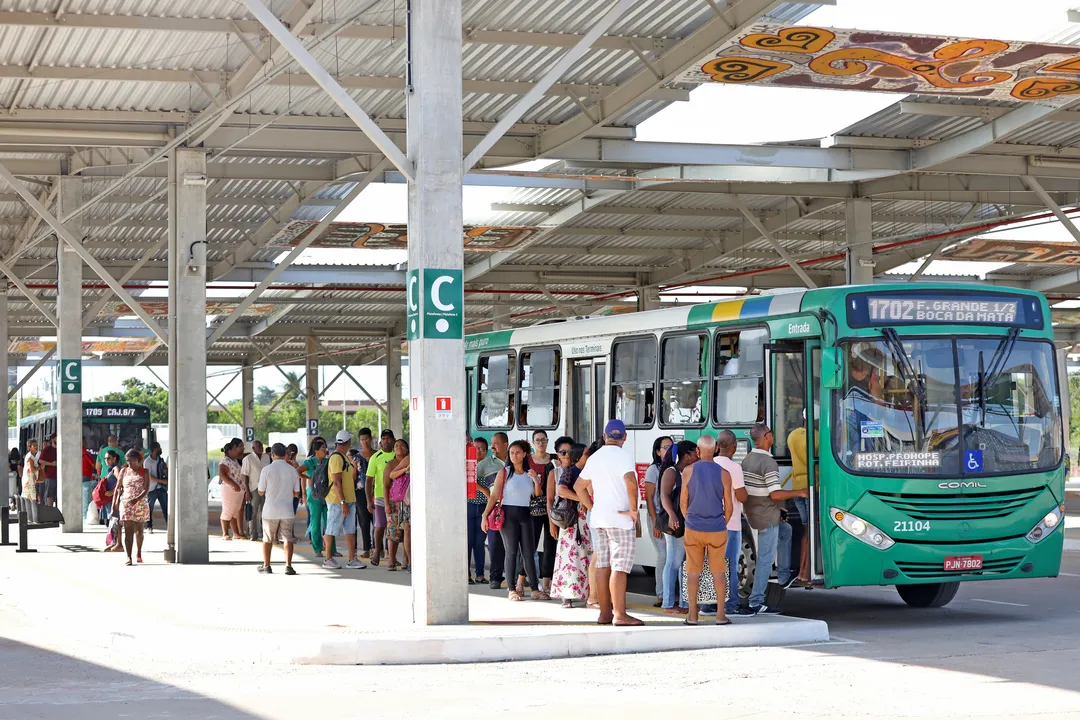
[
  {"x": 341, "y": 504},
  {"x": 797, "y": 446}
]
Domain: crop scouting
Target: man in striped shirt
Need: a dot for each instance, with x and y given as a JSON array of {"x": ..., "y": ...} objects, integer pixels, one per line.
[{"x": 762, "y": 507}]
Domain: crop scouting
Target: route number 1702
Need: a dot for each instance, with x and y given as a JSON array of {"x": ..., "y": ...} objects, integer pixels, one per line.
[{"x": 911, "y": 526}]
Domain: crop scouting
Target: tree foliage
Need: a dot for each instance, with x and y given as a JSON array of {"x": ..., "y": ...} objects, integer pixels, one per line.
[
  {"x": 30, "y": 406},
  {"x": 145, "y": 393}
]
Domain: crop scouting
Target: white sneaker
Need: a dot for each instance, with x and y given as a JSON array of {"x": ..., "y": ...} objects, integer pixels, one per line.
[
  {"x": 355, "y": 565},
  {"x": 331, "y": 564}
]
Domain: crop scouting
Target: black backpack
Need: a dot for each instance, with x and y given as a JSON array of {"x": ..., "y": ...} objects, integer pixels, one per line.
[{"x": 320, "y": 481}]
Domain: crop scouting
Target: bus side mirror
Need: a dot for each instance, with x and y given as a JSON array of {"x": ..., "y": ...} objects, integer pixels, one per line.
[{"x": 832, "y": 368}]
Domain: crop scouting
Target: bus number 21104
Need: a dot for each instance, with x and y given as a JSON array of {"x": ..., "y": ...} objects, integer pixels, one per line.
[{"x": 910, "y": 526}]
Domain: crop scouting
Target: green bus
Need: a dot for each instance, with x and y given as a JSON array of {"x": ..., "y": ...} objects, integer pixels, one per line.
[
  {"x": 936, "y": 411},
  {"x": 129, "y": 422}
]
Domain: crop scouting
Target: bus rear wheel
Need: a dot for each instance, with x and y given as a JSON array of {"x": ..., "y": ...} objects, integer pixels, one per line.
[{"x": 929, "y": 595}]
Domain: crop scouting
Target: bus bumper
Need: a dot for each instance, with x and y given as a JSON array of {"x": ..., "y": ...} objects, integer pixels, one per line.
[{"x": 856, "y": 563}]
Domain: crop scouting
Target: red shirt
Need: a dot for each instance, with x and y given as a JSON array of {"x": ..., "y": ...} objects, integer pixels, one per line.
[
  {"x": 88, "y": 461},
  {"x": 49, "y": 455}
]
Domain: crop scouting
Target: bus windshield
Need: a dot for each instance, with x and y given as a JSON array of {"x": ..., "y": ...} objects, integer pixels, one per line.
[{"x": 945, "y": 408}]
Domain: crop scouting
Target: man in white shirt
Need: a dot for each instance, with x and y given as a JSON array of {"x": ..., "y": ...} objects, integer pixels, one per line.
[
  {"x": 251, "y": 469},
  {"x": 278, "y": 485},
  {"x": 611, "y": 473},
  {"x": 726, "y": 445}
]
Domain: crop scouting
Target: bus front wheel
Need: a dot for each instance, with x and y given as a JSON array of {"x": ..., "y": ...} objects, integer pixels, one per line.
[{"x": 929, "y": 595}]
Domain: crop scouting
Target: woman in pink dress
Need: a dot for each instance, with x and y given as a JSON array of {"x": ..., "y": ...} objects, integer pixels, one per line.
[
  {"x": 132, "y": 488},
  {"x": 232, "y": 489}
]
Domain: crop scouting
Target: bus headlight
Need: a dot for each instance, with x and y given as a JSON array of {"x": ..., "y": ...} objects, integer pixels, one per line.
[
  {"x": 859, "y": 529},
  {"x": 1048, "y": 523}
]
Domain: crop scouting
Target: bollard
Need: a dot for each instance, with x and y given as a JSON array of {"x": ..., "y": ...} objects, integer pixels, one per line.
[
  {"x": 5, "y": 531},
  {"x": 24, "y": 546}
]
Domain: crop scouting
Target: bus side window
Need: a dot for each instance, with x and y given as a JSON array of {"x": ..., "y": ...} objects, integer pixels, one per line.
[
  {"x": 495, "y": 392},
  {"x": 683, "y": 374},
  {"x": 633, "y": 381},
  {"x": 740, "y": 376},
  {"x": 539, "y": 389}
]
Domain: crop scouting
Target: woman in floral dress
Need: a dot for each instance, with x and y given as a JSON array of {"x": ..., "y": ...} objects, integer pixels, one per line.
[
  {"x": 131, "y": 494},
  {"x": 571, "y": 578}
]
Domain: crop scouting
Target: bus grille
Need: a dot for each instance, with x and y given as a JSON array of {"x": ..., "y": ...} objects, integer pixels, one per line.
[
  {"x": 972, "y": 506},
  {"x": 991, "y": 566}
]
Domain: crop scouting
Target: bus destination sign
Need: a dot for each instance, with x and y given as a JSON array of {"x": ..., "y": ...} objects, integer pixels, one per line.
[
  {"x": 933, "y": 308},
  {"x": 115, "y": 413}
]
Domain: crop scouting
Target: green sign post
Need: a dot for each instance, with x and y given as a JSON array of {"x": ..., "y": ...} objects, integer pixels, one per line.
[
  {"x": 69, "y": 375},
  {"x": 436, "y": 301}
]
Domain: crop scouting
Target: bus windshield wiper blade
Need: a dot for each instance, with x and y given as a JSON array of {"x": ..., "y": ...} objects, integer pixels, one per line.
[{"x": 997, "y": 366}]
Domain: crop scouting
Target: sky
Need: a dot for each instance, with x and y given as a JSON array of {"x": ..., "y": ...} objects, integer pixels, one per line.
[{"x": 715, "y": 114}]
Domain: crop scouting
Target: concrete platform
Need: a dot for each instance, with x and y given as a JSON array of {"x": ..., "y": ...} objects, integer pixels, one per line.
[{"x": 69, "y": 591}]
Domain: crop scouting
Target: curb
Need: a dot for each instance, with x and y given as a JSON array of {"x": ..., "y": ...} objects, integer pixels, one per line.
[
  {"x": 472, "y": 644},
  {"x": 1072, "y": 545}
]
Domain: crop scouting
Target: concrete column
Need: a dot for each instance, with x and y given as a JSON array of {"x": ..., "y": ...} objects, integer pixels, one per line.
[
  {"x": 311, "y": 389},
  {"x": 247, "y": 390},
  {"x": 500, "y": 318},
  {"x": 69, "y": 362},
  {"x": 9, "y": 487},
  {"x": 187, "y": 354},
  {"x": 648, "y": 298},
  {"x": 393, "y": 386},
  {"x": 860, "y": 238},
  {"x": 436, "y": 345}
]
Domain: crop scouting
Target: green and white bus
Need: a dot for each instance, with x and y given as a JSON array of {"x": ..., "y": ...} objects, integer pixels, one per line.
[{"x": 935, "y": 407}]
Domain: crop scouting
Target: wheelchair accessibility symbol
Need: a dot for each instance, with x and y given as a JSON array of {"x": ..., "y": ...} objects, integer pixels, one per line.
[{"x": 973, "y": 461}]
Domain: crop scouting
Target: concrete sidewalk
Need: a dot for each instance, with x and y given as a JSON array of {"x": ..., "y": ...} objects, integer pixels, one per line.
[{"x": 70, "y": 592}]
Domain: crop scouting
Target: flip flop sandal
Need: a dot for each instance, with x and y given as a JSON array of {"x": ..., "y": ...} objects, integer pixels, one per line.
[
  {"x": 514, "y": 597},
  {"x": 726, "y": 622},
  {"x": 686, "y": 621}
]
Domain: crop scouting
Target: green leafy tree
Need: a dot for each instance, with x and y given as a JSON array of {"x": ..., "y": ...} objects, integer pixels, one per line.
[
  {"x": 265, "y": 395},
  {"x": 146, "y": 393},
  {"x": 30, "y": 406}
]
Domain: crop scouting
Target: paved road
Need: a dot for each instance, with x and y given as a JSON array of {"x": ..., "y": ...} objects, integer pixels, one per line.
[{"x": 1001, "y": 650}]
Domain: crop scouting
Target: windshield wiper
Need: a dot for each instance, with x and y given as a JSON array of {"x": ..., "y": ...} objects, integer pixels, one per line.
[
  {"x": 907, "y": 370},
  {"x": 988, "y": 377}
]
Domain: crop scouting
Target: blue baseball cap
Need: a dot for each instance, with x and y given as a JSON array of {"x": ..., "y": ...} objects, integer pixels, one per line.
[{"x": 615, "y": 429}]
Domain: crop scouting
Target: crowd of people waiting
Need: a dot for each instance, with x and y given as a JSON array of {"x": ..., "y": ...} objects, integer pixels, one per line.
[{"x": 566, "y": 523}]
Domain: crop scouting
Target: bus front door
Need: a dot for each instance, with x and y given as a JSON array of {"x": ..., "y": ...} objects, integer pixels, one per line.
[{"x": 588, "y": 383}]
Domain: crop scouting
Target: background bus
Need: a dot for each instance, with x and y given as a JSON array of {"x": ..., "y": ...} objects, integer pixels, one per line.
[
  {"x": 129, "y": 422},
  {"x": 936, "y": 410}
]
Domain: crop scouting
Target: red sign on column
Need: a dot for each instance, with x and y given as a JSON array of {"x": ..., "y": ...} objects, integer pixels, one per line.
[
  {"x": 470, "y": 471},
  {"x": 442, "y": 408}
]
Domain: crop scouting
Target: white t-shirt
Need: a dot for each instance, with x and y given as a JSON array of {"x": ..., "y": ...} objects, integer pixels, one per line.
[
  {"x": 606, "y": 469},
  {"x": 252, "y": 468},
  {"x": 734, "y": 469},
  {"x": 278, "y": 482}
]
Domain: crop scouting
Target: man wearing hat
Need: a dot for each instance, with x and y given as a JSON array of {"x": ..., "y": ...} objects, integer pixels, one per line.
[
  {"x": 277, "y": 485},
  {"x": 614, "y": 503},
  {"x": 341, "y": 503}
]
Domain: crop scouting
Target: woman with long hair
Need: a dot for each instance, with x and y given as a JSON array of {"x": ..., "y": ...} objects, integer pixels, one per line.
[
  {"x": 130, "y": 497},
  {"x": 398, "y": 486},
  {"x": 232, "y": 489},
  {"x": 660, "y": 448},
  {"x": 540, "y": 462},
  {"x": 515, "y": 486},
  {"x": 316, "y": 507},
  {"x": 681, "y": 455}
]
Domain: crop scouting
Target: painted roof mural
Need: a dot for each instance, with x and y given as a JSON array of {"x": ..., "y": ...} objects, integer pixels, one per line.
[
  {"x": 376, "y": 236},
  {"x": 832, "y": 58}
]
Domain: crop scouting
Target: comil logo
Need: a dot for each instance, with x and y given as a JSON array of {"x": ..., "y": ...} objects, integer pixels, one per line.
[{"x": 960, "y": 485}]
